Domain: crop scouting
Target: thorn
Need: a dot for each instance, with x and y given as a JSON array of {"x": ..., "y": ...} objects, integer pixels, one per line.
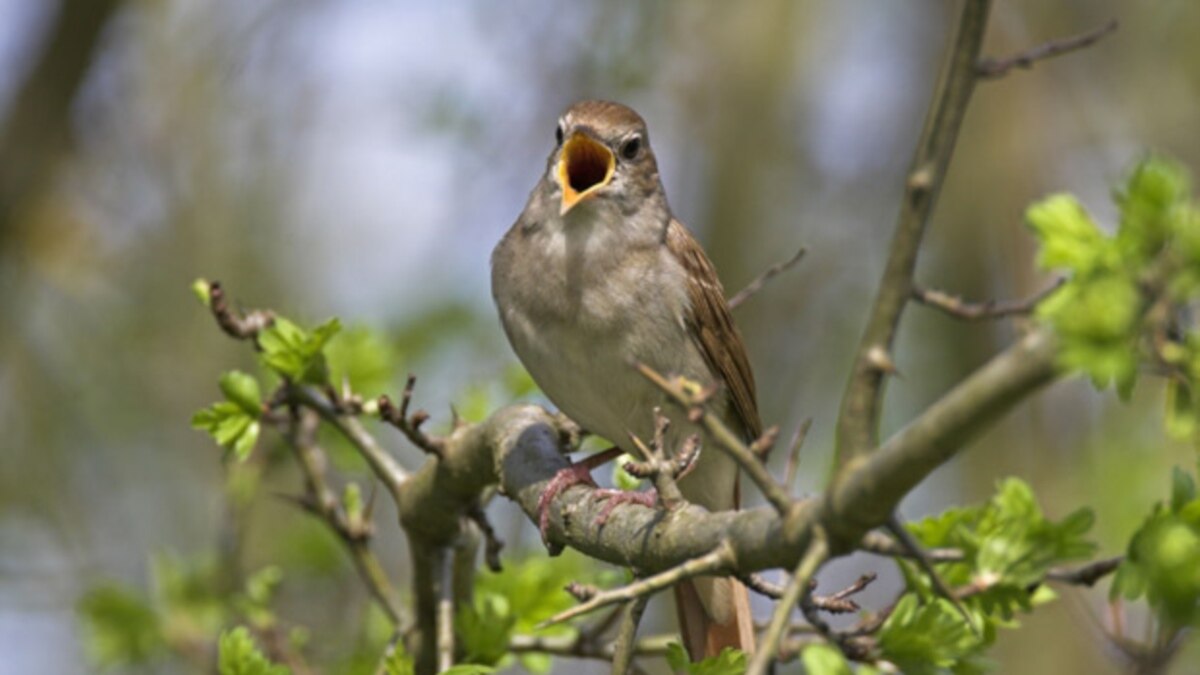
[{"x": 880, "y": 360}]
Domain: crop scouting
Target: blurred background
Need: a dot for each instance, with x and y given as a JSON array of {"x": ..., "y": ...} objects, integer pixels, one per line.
[{"x": 360, "y": 158}]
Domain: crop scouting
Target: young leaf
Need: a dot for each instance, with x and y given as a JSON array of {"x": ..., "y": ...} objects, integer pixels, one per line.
[
  {"x": 238, "y": 655},
  {"x": 295, "y": 353},
  {"x": 243, "y": 390},
  {"x": 824, "y": 659}
]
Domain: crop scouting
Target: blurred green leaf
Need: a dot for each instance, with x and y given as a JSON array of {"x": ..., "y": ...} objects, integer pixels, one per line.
[
  {"x": 485, "y": 627},
  {"x": 1008, "y": 545},
  {"x": 930, "y": 637},
  {"x": 398, "y": 662},
  {"x": 295, "y": 353},
  {"x": 120, "y": 627},
  {"x": 729, "y": 662},
  {"x": 1069, "y": 236},
  {"x": 363, "y": 357},
  {"x": 468, "y": 669},
  {"x": 1163, "y": 558},
  {"x": 243, "y": 390},
  {"x": 233, "y": 423},
  {"x": 824, "y": 659},
  {"x": 1153, "y": 191},
  {"x": 238, "y": 655}
]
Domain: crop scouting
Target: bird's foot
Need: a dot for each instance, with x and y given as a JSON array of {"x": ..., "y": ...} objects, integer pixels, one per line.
[
  {"x": 576, "y": 474},
  {"x": 615, "y": 498}
]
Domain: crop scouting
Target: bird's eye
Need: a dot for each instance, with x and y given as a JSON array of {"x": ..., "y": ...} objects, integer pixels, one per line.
[
  {"x": 630, "y": 148},
  {"x": 558, "y": 134}
]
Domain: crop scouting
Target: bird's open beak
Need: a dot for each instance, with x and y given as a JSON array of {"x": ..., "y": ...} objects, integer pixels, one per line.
[{"x": 584, "y": 167}]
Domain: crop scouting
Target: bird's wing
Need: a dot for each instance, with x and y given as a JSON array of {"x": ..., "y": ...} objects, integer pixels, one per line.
[{"x": 711, "y": 326}]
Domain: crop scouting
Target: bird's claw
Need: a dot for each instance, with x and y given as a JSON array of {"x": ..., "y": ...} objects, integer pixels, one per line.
[
  {"x": 575, "y": 474},
  {"x": 615, "y": 498}
]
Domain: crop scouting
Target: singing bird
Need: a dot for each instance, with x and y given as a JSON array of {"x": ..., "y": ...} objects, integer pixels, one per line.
[{"x": 597, "y": 276}]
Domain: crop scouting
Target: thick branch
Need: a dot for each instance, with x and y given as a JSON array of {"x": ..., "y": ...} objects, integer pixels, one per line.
[
  {"x": 858, "y": 419},
  {"x": 869, "y": 488}
]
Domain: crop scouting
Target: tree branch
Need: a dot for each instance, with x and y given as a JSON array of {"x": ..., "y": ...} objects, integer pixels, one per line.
[
  {"x": 858, "y": 419},
  {"x": 755, "y": 286},
  {"x": 990, "y": 69},
  {"x": 975, "y": 311},
  {"x": 868, "y": 489},
  {"x": 768, "y": 649}
]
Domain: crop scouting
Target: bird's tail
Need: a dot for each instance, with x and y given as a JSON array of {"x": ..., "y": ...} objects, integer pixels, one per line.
[{"x": 714, "y": 613}]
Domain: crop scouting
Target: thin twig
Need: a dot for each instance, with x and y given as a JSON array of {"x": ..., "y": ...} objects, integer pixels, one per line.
[
  {"x": 990, "y": 69},
  {"x": 625, "y": 644},
  {"x": 917, "y": 554},
  {"x": 321, "y": 502},
  {"x": 1086, "y": 575},
  {"x": 382, "y": 463},
  {"x": 714, "y": 563},
  {"x": 757, "y": 285},
  {"x": 858, "y": 418},
  {"x": 976, "y": 311},
  {"x": 881, "y": 544},
  {"x": 793, "y": 462},
  {"x": 445, "y": 608},
  {"x": 242, "y": 326},
  {"x": 726, "y": 438},
  {"x": 768, "y": 649},
  {"x": 410, "y": 425},
  {"x": 492, "y": 543}
]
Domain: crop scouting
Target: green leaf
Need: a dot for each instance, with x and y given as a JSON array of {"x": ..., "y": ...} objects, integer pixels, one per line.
[
  {"x": 295, "y": 353},
  {"x": 364, "y": 358},
  {"x": 1008, "y": 545},
  {"x": 468, "y": 669},
  {"x": 929, "y": 637},
  {"x": 1147, "y": 201},
  {"x": 120, "y": 627},
  {"x": 1069, "y": 236},
  {"x": 824, "y": 659},
  {"x": 1181, "y": 416},
  {"x": 238, "y": 655},
  {"x": 1183, "y": 489},
  {"x": 1163, "y": 558},
  {"x": 677, "y": 657},
  {"x": 485, "y": 628},
  {"x": 243, "y": 390},
  {"x": 729, "y": 662},
  {"x": 399, "y": 662}
]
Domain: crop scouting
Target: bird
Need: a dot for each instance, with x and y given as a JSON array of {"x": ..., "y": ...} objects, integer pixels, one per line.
[{"x": 595, "y": 277}]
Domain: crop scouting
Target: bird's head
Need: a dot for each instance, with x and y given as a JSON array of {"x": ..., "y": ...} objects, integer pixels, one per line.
[{"x": 602, "y": 153}]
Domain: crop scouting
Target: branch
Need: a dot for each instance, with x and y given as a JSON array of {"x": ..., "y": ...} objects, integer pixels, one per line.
[
  {"x": 817, "y": 553},
  {"x": 747, "y": 459},
  {"x": 975, "y": 311},
  {"x": 858, "y": 419},
  {"x": 573, "y": 646},
  {"x": 881, "y": 544},
  {"x": 625, "y": 645},
  {"x": 236, "y": 325},
  {"x": 868, "y": 489},
  {"x": 715, "y": 563},
  {"x": 772, "y": 271},
  {"x": 1086, "y": 575},
  {"x": 410, "y": 425},
  {"x": 382, "y": 463},
  {"x": 990, "y": 69},
  {"x": 321, "y": 502}
]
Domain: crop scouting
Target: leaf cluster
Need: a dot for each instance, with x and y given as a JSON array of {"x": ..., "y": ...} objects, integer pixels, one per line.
[{"x": 1163, "y": 558}]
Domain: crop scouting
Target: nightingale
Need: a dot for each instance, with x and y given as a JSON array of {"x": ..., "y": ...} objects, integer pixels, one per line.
[{"x": 597, "y": 276}]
